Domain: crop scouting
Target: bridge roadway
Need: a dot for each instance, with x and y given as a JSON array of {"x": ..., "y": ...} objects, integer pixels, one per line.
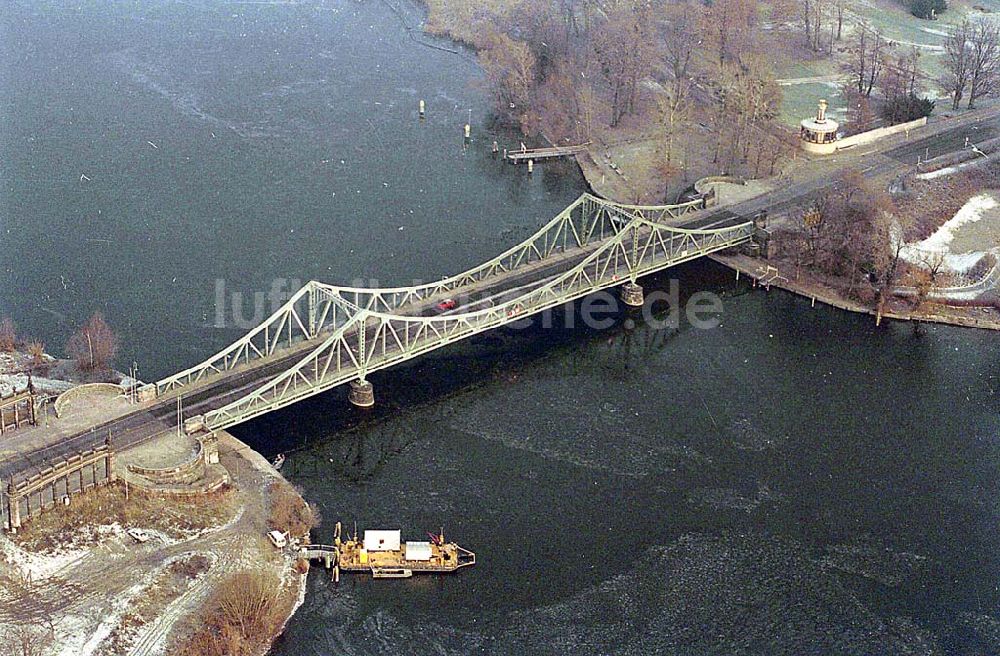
[{"x": 160, "y": 415}]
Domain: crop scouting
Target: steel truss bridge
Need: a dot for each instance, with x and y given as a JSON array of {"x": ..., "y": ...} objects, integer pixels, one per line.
[{"x": 326, "y": 335}]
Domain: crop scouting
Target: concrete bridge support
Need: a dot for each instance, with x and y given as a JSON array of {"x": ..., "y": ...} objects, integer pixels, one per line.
[
  {"x": 362, "y": 394},
  {"x": 632, "y": 294}
]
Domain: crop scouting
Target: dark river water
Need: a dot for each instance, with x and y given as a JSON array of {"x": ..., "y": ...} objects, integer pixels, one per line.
[{"x": 794, "y": 481}]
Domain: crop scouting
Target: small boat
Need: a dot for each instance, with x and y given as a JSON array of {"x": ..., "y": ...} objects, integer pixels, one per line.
[
  {"x": 391, "y": 572},
  {"x": 278, "y": 462}
]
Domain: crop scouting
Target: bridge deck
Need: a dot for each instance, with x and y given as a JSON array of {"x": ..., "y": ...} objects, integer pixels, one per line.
[{"x": 157, "y": 416}]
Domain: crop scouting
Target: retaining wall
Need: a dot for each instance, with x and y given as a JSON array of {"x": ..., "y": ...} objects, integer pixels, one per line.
[{"x": 21, "y": 501}]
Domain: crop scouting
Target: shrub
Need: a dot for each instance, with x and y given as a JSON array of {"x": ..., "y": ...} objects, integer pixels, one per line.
[
  {"x": 289, "y": 513},
  {"x": 905, "y": 108},
  {"x": 36, "y": 350},
  {"x": 243, "y": 614},
  {"x": 94, "y": 346},
  {"x": 927, "y": 8}
]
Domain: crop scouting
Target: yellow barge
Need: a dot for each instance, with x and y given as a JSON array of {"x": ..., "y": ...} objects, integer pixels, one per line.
[{"x": 384, "y": 555}]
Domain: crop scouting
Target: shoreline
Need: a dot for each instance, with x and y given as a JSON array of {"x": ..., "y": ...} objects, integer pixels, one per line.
[
  {"x": 606, "y": 180},
  {"x": 261, "y": 464},
  {"x": 816, "y": 291}
]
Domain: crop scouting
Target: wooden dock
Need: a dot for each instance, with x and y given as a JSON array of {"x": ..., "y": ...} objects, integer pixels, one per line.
[{"x": 535, "y": 154}]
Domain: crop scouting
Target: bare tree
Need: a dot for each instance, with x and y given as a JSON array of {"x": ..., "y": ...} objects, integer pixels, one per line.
[
  {"x": 933, "y": 262},
  {"x": 731, "y": 26},
  {"x": 984, "y": 72},
  {"x": 8, "y": 335},
  {"x": 850, "y": 231},
  {"x": 839, "y": 6},
  {"x": 586, "y": 102},
  {"x": 622, "y": 49},
  {"x": 681, "y": 42},
  {"x": 860, "y": 113},
  {"x": 510, "y": 71},
  {"x": 901, "y": 76},
  {"x": 813, "y": 14},
  {"x": 957, "y": 62},
  {"x": 886, "y": 244},
  {"x": 94, "y": 346},
  {"x": 867, "y": 58}
]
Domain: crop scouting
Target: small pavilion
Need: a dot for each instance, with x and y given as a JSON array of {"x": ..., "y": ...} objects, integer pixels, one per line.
[{"x": 819, "y": 135}]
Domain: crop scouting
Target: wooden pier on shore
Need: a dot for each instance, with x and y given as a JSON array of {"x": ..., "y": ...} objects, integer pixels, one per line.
[{"x": 535, "y": 154}]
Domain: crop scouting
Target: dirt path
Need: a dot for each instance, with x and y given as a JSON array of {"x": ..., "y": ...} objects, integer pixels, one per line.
[{"x": 87, "y": 600}]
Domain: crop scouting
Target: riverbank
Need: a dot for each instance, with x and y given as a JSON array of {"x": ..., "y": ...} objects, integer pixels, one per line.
[
  {"x": 804, "y": 283},
  {"x": 629, "y": 159},
  {"x": 49, "y": 375},
  {"x": 75, "y": 580}
]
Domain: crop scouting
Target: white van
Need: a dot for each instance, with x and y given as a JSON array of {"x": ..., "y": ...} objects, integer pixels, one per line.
[{"x": 278, "y": 539}]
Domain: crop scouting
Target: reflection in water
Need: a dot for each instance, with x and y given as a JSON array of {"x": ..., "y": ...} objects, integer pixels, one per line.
[
  {"x": 626, "y": 488},
  {"x": 792, "y": 481}
]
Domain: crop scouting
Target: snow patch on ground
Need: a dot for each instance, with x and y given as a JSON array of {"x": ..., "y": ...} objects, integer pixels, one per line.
[
  {"x": 79, "y": 637},
  {"x": 940, "y": 241},
  {"x": 949, "y": 170},
  {"x": 37, "y": 566},
  {"x": 922, "y": 46},
  {"x": 940, "y": 173},
  {"x": 10, "y": 383},
  {"x": 931, "y": 30},
  {"x": 971, "y": 212}
]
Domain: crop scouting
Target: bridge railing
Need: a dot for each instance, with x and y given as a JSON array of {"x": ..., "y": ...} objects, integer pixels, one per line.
[
  {"x": 311, "y": 310},
  {"x": 664, "y": 213},
  {"x": 318, "y": 309},
  {"x": 376, "y": 340}
]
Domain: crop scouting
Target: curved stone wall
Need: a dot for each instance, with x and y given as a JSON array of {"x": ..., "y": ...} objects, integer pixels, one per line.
[
  {"x": 90, "y": 390},
  {"x": 702, "y": 185},
  {"x": 186, "y": 472}
]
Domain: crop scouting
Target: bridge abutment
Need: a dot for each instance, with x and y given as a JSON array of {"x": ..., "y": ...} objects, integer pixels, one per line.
[
  {"x": 632, "y": 294},
  {"x": 362, "y": 394}
]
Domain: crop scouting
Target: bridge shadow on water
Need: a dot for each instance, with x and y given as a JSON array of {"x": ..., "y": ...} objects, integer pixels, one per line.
[{"x": 623, "y": 341}]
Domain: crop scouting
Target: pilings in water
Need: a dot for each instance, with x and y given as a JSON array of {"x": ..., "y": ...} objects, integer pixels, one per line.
[{"x": 362, "y": 394}]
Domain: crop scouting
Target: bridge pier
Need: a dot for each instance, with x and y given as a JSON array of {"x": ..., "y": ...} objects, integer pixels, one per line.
[
  {"x": 632, "y": 294},
  {"x": 362, "y": 394}
]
